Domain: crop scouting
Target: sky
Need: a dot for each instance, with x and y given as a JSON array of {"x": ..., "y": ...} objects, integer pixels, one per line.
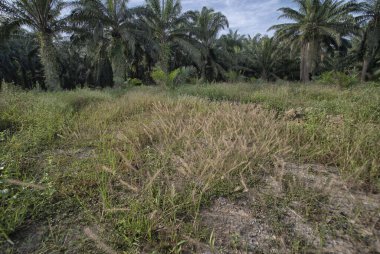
[{"x": 247, "y": 16}]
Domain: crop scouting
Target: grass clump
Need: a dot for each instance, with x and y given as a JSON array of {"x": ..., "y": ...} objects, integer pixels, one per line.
[
  {"x": 188, "y": 152},
  {"x": 327, "y": 130},
  {"x": 339, "y": 79}
]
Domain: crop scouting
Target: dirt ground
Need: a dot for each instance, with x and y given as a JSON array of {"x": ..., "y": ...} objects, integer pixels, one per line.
[
  {"x": 268, "y": 219},
  {"x": 351, "y": 218}
]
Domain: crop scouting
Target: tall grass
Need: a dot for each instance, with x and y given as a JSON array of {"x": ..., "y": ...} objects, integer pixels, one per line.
[
  {"x": 351, "y": 142},
  {"x": 143, "y": 164}
]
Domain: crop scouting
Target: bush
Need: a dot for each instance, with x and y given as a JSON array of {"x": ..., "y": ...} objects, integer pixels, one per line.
[
  {"x": 235, "y": 77},
  {"x": 8, "y": 88},
  {"x": 173, "y": 78},
  {"x": 339, "y": 79},
  {"x": 186, "y": 75},
  {"x": 134, "y": 82},
  {"x": 163, "y": 79},
  {"x": 252, "y": 80},
  {"x": 256, "y": 81},
  {"x": 159, "y": 76}
]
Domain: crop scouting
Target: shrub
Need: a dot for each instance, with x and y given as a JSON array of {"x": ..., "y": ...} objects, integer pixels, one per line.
[
  {"x": 186, "y": 75},
  {"x": 164, "y": 79},
  {"x": 134, "y": 82},
  {"x": 159, "y": 76},
  {"x": 173, "y": 78},
  {"x": 235, "y": 77},
  {"x": 8, "y": 87},
  {"x": 256, "y": 81},
  {"x": 339, "y": 79}
]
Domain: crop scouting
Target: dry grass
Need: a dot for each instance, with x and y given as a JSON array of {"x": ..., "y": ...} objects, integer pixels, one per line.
[
  {"x": 99, "y": 243},
  {"x": 148, "y": 167}
]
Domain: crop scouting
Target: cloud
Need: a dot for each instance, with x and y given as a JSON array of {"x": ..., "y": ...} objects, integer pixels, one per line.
[{"x": 247, "y": 16}]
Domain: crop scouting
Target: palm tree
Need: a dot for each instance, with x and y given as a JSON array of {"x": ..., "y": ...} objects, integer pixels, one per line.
[
  {"x": 43, "y": 17},
  {"x": 232, "y": 43},
  {"x": 117, "y": 25},
  {"x": 265, "y": 54},
  {"x": 169, "y": 28},
  {"x": 207, "y": 24},
  {"x": 19, "y": 61},
  {"x": 93, "y": 46},
  {"x": 316, "y": 22},
  {"x": 371, "y": 37}
]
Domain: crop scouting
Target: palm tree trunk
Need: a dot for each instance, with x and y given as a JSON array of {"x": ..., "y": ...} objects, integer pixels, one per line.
[
  {"x": 49, "y": 61},
  {"x": 308, "y": 51},
  {"x": 164, "y": 57},
  {"x": 119, "y": 64},
  {"x": 203, "y": 70},
  {"x": 102, "y": 73},
  {"x": 25, "y": 78},
  {"x": 264, "y": 75},
  {"x": 365, "y": 69},
  {"x": 119, "y": 70},
  {"x": 203, "y": 73},
  {"x": 303, "y": 68}
]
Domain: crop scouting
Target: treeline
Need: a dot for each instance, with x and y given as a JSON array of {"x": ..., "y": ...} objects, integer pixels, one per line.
[{"x": 59, "y": 44}]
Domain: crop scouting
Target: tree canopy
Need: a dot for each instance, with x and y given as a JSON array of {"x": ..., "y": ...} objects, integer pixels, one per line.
[{"x": 97, "y": 43}]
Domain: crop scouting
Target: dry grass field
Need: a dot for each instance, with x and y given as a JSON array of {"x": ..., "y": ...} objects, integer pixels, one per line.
[{"x": 225, "y": 168}]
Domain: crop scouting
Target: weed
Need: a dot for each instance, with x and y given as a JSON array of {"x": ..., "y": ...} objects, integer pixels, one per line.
[{"x": 142, "y": 164}]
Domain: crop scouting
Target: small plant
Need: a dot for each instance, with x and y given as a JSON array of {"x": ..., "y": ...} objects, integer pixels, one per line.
[
  {"x": 235, "y": 77},
  {"x": 173, "y": 78},
  {"x": 159, "y": 76},
  {"x": 134, "y": 82},
  {"x": 252, "y": 80},
  {"x": 186, "y": 75},
  {"x": 164, "y": 79},
  {"x": 339, "y": 79},
  {"x": 8, "y": 87}
]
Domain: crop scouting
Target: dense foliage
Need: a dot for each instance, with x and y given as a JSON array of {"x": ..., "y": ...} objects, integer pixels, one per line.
[{"x": 57, "y": 44}]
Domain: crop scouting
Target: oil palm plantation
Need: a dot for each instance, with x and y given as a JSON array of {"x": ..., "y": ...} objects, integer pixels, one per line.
[
  {"x": 116, "y": 24},
  {"x": 169, "y": 28},
  {"x": 316, "y": 22},
  {"x": 19, "y": 61},
  {"x": 371, "y": 36},
  {"x": 44, "y": 18},
  {"x": 264, "y": 54},
  {"x": 232, "y": 43},
  {"x": 207, "y": 24}
]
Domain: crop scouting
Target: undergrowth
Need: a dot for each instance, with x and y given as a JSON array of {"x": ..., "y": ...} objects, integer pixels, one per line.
[{"x": 139, "y": 166}]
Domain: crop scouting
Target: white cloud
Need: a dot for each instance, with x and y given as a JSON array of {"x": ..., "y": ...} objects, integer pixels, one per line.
[{"x": 248, "y": 16}]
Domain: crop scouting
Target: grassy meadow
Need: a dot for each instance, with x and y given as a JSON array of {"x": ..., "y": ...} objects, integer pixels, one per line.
[{"x": 223, "y": 168}]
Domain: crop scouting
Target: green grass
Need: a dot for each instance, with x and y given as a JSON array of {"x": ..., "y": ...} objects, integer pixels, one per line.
[
  {"x": 360, "y": 103},
  {"x": 139, "y": 166},
  {"x": 35, "y": 123}
]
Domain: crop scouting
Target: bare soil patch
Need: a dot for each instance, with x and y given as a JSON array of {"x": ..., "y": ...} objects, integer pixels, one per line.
[{"x": 349, "y": 221}]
